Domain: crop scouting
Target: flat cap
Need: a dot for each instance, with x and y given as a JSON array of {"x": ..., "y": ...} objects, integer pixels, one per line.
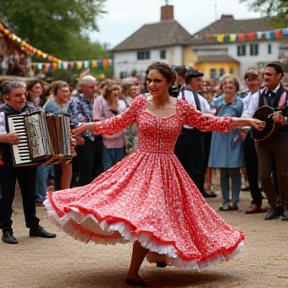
[{"x": 193, "y": 73}]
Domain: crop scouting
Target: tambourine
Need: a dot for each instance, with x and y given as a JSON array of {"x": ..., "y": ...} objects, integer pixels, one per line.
[{"x": 273, "y": 122}]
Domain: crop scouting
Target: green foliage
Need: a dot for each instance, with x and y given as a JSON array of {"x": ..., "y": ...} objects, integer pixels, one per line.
[
  {"x": 277, "y": 8},
  {"x": 57, "y": 27}
]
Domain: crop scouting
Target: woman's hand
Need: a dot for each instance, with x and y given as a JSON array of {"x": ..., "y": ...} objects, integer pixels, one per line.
[
  {"x": 257, "y": 124},
  {"x": 254, "y": 123},
  {"x": 91, "y": 126}
]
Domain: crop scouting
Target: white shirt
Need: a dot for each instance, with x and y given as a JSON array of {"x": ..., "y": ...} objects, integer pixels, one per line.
[
  {"x": 204, "y": 105},
  {"x": 252, "y": 102},
  {"x": 2, "y": 123}
]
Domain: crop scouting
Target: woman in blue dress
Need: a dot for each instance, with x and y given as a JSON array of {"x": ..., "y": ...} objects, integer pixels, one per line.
[{"x": 226, "y": 148}]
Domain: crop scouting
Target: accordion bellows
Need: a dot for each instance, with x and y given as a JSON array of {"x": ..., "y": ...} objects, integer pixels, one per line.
[{"x": 44, "y": 138}]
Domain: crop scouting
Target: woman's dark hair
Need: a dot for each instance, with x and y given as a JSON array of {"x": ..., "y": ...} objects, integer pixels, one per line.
[
  {"x": 168, "y": 72},
  {"x": 30, "y": 85}
]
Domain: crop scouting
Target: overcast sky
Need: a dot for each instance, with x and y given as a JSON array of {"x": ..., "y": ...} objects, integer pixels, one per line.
[{"x": 124, "y": 17}]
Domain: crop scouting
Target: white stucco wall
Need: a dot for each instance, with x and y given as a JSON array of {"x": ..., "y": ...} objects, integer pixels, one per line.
[
  {"x": 248, "y": 60},
  {"x": 127, "y": 61}
]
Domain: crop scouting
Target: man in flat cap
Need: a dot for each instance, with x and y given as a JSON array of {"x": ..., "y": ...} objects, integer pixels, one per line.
[{"x": 190, "y": 145}]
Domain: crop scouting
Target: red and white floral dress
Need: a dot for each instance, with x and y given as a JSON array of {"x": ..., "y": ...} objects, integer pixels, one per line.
[{"x": 148, "y": 196}]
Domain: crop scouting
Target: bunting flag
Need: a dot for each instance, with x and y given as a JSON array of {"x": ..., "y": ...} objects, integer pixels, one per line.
[
  {"x": 55, "y": 63},
  {"x": 39, "y": 67},
  {"x": 250, "y": 36}
]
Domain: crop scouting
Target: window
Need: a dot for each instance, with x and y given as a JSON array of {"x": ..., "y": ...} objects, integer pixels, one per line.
[
  {"x": 231, "y": 70},
  {"x": 269, "y": 49},
  {"x": 123, "y": 74},
  {"x": 163, "y": 54},
  {"x": 254, "y": 49},
  {"x": 142, "y": 55},
  {"x": 221, "y": 72},
  {"x": 241, "y": 50},
  {"x": 213, "y": 73}
]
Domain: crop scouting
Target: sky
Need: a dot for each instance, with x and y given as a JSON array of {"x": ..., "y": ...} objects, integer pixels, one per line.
[{"x": 124, "y": 17}]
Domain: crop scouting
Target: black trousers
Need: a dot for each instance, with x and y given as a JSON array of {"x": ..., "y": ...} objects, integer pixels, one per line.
[
  {"x": 27, "y": 181},
  {"x": 190, "y": 150},
  {"x": 88, "y": 160},
  {"x": 251, "y": 164}
]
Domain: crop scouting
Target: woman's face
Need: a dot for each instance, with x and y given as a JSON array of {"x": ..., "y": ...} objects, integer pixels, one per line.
[
  {"x": 133, "y": 91},
  {"x": 157, "y": 84},
  {"x": 114, "y": 93},
  {"x": 36, "y": 91},
  {"x": 63, "y": 94},
  {"x": 229, "y": 87}
]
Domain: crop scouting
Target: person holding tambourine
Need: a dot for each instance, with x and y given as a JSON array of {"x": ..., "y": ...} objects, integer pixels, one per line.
[{"x": 271, "y": 146}]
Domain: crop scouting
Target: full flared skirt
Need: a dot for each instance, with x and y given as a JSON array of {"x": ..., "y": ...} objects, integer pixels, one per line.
[{"x": 147, "y": 197}]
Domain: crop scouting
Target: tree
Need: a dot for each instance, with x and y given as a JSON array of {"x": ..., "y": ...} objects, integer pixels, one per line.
[
  {"x": 277, "y": 8},
  {"x": 59, "y": 28}
]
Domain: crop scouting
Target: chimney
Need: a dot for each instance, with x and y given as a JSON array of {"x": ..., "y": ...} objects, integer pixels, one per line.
[{"x": 167, "y": 12}]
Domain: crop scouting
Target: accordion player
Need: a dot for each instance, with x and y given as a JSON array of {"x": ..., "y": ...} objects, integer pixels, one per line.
[{"x": 44, "y": 138}]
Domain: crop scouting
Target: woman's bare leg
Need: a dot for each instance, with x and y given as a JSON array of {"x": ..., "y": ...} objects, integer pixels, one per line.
[
  {"x": 138, "y": 255},
  {"x": 66, "y": 175}
]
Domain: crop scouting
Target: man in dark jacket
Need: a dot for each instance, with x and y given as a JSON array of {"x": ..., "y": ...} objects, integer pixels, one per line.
[{"x": 14, "y": 94}]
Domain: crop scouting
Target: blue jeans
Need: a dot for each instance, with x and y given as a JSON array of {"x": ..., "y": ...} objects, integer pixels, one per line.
[
  {"x": 225, "y": 174},
  {"x": 111, "y": 156},
  {"x": 41, "y": 182}
]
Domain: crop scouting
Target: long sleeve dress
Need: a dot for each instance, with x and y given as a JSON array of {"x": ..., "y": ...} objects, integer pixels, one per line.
[{"x": 148, "y": 196}]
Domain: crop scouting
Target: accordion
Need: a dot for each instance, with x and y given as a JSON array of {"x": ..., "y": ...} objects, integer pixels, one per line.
[{"x": 44, "y": 138}]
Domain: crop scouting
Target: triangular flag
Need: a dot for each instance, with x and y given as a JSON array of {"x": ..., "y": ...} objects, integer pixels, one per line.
[
  {"x": 285, "y": 32},
  {"x": 278, "y": 34},
  {"x": 232, "y": 37},
  {"x": 65, "y": 65},
  {"x": 79, "y": 65},
  {"x": 251, "y": 35},
  {"x": 241, "y": 37},
  {"x": 86, "y": 64},
  {"x": 267, "y": 35},
  {"x": 100, "y": 64},
  {"x": 94, "y": 63},
  {"x": 259, "y": 35},
  {"x": 220, "y": 37}
]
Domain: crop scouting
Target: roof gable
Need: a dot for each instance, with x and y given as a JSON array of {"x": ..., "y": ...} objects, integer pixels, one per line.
[{"x": 161, "y": 34}]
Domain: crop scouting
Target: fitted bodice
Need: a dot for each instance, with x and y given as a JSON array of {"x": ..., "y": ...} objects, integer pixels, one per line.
[{"x": 158, "y": 135}]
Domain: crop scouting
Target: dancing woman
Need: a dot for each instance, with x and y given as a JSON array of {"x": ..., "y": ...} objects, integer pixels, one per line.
[{"x": 148, "y": 198}]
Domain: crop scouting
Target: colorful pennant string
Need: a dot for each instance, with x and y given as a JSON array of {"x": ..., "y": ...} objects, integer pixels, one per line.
[
  {"x": 55, "y": 63},
  {"x": 268, "y": 35}
]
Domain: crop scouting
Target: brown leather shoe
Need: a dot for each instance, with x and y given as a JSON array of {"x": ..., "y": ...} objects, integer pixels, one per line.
[{"x": 255, "y": 209}]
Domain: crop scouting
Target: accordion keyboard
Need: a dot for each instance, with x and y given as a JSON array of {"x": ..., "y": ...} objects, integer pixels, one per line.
[{"x": 21, "y": 152}]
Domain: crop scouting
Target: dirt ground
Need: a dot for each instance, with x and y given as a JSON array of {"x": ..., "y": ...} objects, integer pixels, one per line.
[{"x": 64, "y": 262}]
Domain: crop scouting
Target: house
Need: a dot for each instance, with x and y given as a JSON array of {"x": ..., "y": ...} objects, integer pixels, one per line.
[
  {"x": 227, "y": 45},
  {"x": 232, "y": 46},
  {"x": 162, "y": 41}
]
